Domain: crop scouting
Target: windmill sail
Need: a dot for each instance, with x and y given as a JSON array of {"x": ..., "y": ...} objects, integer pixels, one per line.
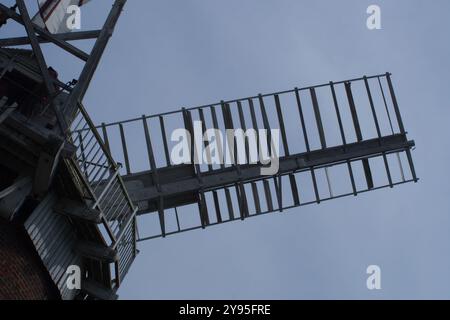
[
  {"x": 53, "y": 14},
  {"x": 337, "y": 139}
]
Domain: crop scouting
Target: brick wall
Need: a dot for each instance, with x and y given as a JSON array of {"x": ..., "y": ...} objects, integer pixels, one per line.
[{"x": 22, "y": 274}]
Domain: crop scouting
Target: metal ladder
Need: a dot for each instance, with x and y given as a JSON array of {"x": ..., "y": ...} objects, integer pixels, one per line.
[{"x": 94, "y": 169}]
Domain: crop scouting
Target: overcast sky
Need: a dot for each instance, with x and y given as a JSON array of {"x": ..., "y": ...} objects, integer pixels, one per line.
[{"x": 168, "y": 54}]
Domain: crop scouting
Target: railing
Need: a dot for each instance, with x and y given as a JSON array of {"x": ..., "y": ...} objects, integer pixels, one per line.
[{"x": 103, "y": 189}]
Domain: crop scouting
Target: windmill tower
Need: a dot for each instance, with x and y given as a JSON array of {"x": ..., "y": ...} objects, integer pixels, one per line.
[{"x": 73, "y": 196}]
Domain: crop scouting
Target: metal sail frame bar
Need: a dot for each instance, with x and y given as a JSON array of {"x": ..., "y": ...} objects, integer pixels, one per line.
[{"x": 72, "y": 36}]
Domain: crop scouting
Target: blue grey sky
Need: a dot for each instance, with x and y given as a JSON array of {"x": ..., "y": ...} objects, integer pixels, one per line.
[{"x": 168, "y": 54}]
